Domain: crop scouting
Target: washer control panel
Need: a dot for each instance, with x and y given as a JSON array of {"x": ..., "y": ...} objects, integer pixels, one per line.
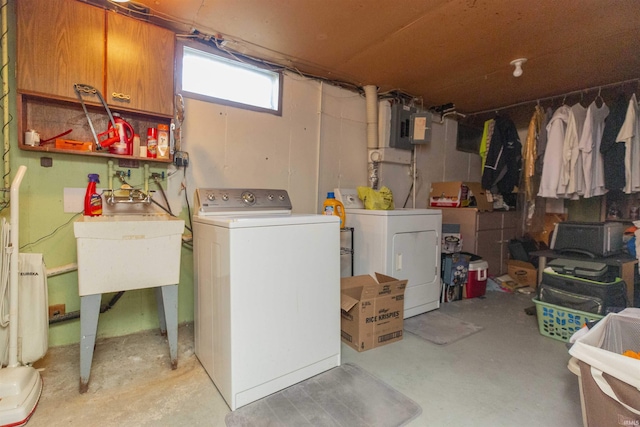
[
  {"x": 238, "y": 200},
  {"x": 349, "y": 198}
]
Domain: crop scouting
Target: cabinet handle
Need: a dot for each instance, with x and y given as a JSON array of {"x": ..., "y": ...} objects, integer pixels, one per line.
[{"x": 121, "y": 96}]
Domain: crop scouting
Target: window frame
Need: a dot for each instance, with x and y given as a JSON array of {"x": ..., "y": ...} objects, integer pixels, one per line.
[{"x": 217, "y": 52}]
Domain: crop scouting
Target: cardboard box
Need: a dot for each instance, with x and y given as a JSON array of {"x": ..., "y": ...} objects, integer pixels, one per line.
[
  {"x": 524, "y": 273},
  {"x": 457, "y": 194},
  {"x": 372, "y": 311}
]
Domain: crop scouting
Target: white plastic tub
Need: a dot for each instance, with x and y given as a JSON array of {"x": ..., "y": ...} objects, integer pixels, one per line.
[{"x": 126, "y": 252}]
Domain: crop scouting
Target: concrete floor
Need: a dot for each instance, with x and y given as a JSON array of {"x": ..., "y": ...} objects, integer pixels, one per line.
[{"x": 505, "y": 375}]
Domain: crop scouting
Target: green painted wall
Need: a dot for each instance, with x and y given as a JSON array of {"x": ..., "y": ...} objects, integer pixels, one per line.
[{"x": 45, "y": 228}]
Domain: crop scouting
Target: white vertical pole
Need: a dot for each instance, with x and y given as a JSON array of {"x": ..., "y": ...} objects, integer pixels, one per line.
[{"x": 13, "y": 268}]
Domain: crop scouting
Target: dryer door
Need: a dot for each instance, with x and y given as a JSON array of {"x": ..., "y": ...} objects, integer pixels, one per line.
[{"x": 415, "y": 258}]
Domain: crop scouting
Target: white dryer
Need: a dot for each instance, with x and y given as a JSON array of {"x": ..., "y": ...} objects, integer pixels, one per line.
[{"x": 401, "y": 243}]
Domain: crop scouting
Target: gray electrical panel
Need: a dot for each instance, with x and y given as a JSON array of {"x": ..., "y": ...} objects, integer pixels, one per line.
[{"x": 400, "y": 126}]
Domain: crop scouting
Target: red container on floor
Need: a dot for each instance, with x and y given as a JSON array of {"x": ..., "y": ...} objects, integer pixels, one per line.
[{"x": 476, "y": 285}]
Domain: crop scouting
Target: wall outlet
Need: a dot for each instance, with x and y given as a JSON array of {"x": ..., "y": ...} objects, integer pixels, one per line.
[
  {"x": 181, "y": 158},
  {"x": 56, "y": 310}
]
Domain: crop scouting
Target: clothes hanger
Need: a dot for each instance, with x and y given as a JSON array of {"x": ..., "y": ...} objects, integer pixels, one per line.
[{"x": 599, "y": 97}]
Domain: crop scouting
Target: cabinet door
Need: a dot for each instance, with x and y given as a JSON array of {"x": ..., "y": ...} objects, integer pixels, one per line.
[
  {"x": 467, "y": 219},
  {"x": 139, "y": 65},
  {"x": 489, "y": 247},
  {"x": 489, "y": 220},
  {"x": 59, "y": 43}
]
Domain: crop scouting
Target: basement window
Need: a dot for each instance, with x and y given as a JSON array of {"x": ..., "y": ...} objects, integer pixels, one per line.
[{"x": 214, "y": 78}]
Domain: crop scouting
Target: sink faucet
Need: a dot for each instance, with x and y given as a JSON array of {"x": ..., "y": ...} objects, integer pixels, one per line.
[{"x": 135, "y": 195}]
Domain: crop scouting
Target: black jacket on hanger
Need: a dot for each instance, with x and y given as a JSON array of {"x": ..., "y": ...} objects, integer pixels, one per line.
[
  {"x": 504, "y": 159},
  {"x": 612, "y": 151}
]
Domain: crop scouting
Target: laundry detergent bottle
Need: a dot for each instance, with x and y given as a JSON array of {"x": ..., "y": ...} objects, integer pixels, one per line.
[
  {"x": 334, "y": 207},
  {"x": 92, "y": 200}
]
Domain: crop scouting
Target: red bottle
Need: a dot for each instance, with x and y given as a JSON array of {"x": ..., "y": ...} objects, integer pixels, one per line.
[{"x": 92, "y": 200}]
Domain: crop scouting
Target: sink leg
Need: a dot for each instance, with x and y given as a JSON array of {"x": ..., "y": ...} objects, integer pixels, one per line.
[
  {"x": 168, "y": 312},
  {"x": 161, "y": 312},
  {"x": 89, "y": 312}
]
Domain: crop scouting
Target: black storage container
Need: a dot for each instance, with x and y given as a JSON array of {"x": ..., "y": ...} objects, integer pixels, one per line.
[
  {"x": 583, "y": 294},
  {"x": 596, "y": 239},
  {"x": 592, "y": 270}
]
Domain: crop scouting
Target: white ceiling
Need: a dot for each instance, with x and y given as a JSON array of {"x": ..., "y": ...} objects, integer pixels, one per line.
[{"x": 439, "y": 51}]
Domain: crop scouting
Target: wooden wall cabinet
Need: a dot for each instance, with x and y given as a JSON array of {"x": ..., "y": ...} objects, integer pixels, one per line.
[
  {"x": 59, "y": 43},
  {"x": 486, "y": 234},
  {"x": 140, "y": 61},
  {"x": 63, "y": 42}
]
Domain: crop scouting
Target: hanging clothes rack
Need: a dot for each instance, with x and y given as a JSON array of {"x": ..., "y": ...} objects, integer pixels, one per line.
[{"x": 564, "y": 95}]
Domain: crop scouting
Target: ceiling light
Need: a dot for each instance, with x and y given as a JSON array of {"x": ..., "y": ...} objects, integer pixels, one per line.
[
  {"x": 518, "y": 64},
  {"x": 120, "y": 1}
]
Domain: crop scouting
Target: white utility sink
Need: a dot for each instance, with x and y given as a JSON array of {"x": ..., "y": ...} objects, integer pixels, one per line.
[{"x": 125, "y": 252}]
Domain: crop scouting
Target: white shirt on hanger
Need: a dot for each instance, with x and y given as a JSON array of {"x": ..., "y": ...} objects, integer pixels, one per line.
[
  {"x": 552, "y": 162},
  {"x": 592, "y": 162},
  {"x": 628, "y": 136},
  {"x": 572, "y": 177}
]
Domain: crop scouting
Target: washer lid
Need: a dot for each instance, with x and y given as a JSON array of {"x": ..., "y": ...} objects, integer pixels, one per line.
[{"x": 266, "y": 220}]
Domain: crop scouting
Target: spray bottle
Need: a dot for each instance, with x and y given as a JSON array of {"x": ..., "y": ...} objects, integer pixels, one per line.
[
  {"x": 332, "y": 206},
  {"x": 92, "y": 200}
]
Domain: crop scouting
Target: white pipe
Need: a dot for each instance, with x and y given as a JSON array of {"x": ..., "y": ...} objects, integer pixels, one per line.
[
  {"x": 55, "y": 271},
  {"x": 5, "y": 92},
  {"x": 110, "y": 175},
  {"x": 414, "y": 173},
  {"x": 146, "y": 179},
  {"x": 13, "y": 267},
  {"x": 371, "y": 94}
]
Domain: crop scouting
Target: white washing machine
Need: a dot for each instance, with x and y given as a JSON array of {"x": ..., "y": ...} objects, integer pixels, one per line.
[
  {"x": 267, "y": 292},
  {"x": 401, "y": 243}
]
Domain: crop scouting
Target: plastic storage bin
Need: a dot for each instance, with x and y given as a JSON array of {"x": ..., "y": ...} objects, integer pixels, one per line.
[
  {"x": 610, "y": 381},
  {"x": 559, "y": 322}
]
